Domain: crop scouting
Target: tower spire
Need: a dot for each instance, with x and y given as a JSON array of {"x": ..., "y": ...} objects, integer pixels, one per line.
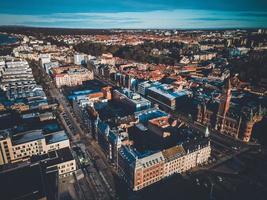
[
  {"x": 207, "y": 132},
  {"x": 225, "y": 98}
]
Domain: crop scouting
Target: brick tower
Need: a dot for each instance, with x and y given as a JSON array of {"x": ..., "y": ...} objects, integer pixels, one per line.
[
  {"x": 225, "y": 99},
  {"x": 224, "y": 105}
]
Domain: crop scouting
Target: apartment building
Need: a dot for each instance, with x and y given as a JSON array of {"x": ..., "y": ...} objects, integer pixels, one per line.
[
  {"x": 139, "y": 170},
  {"x": 71, "y": 75},
  {"x": 22, "y": 146},
  {"x": 165, "y": 95},
  {"x": 17, "y": 81},
  {"x": 133, "y": 101},
  {"x": 79, "y": 59},
  {"x": 62, "y": 159},
  {"x": 174, "y": 160},
  {"x": 179, "y": 159}
]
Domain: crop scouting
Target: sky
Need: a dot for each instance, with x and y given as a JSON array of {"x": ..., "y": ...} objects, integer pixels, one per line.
[{"x": 171, "y": 14}]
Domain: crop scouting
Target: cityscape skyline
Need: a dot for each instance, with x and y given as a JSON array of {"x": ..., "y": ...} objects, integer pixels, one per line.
[
  {"x": 124, "y": 99},
  {"x": 135, "y": 14}
]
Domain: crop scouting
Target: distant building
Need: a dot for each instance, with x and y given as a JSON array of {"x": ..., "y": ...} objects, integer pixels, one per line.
[
  {"x": 203, "y": 56},
  {"x": 79, "y": 59},
  {"x": 160, "y": 126},
  {"x": 174, "y": 160},
  {"x": 71, "y": 76},
  {"x": 145, "y": 115},
  {"x": 18, "y": 82},
  {"x": 20, "y": 107},
  {"x": 44, "y": 58},
  {"x": 181, "y": 158},
  {"x": 144, "y": 86},
  {"x": 2, "y": 107},
  {"x": 50, "y": 65},
  {"x": 107, "y": 59}
]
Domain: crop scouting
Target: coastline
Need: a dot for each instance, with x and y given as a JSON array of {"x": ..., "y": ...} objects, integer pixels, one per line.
[{"x": 7, "y": 39}]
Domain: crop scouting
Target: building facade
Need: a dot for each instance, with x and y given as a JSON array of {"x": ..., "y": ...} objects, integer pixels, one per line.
[
  {"x": 228, "y": 120},
  {"x": 23, "y": 146},
  {"x": 133, "y": 101},
  {"x": 71, "y": 76},
  {"x": 140, "y": 171}
]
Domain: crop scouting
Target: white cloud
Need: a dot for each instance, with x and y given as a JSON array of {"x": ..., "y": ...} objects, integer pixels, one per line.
[{"x": 151, "y": 19}]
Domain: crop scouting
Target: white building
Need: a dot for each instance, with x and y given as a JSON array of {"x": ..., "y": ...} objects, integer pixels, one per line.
[
  {"x": 79, "y": 59},
  {"x": 49, "y": 65},
  {"x": 22, "y": 146},
  {"x": 44, "y": 58}
]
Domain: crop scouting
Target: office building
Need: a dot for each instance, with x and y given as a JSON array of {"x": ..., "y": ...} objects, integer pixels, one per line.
[
  {"x": 133, "y": 101},
  {"x": 44, "y": 58},
  {"x": 62, "y": 159},
  {"x": 137, "y": 171},
  {"x": 22, "y": 146},
  {"x": 166, "y": 97}
]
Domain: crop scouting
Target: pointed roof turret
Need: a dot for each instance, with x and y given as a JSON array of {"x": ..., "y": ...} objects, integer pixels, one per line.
[
  {"x": 207, "y": 132},
  {"x": 251, "y": 114}
]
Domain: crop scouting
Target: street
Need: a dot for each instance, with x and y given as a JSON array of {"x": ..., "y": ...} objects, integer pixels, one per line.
[{"x": 98, "y": 182}]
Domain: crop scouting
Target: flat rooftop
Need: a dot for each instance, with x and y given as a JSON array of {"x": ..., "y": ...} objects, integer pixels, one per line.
[
  {"x": 27, "y": 136},
  {"x": 54, "y": 157},
  {"x": 56, "y": 137},
  {"x": 167, "y": 93}
]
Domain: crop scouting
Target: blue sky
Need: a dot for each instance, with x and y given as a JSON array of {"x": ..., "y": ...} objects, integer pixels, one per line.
[{"x": 179, "y": 14}]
